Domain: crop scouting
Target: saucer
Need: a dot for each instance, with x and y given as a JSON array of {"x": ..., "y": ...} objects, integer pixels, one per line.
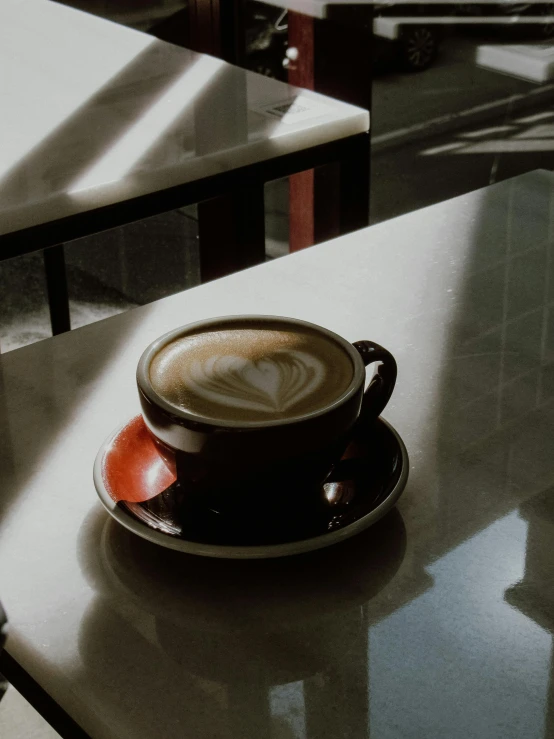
[{"x": 141, "y": 493}]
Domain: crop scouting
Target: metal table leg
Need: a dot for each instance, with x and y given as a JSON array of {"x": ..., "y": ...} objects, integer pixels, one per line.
[
  {"x": 56, "y": 285},
  {"x": 231, "y": 231},
  {"x": 354, "y": 185}
]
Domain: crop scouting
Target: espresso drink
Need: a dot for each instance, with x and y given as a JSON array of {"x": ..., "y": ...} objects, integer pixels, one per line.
[{"x": 263, "y": 372}]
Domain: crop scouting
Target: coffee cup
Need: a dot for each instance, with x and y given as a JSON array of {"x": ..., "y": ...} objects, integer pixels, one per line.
[{"x": 256, "y": 410}]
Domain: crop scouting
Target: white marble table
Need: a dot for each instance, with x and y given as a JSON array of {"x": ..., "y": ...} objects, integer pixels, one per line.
[
  {"x": 95, "y": 113},
  {"x": 437, "y": 623},
  {"x": 102, "y": 125}
]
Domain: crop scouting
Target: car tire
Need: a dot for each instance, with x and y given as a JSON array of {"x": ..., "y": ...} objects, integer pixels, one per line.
[{"x": 419, "y": 46}]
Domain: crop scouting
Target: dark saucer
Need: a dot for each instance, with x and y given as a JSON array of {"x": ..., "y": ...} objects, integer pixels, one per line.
[{"x": 139, "y": 491}]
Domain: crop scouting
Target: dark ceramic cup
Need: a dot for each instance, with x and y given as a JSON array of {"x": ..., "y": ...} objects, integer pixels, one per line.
[{"x": 234, "y": 465}]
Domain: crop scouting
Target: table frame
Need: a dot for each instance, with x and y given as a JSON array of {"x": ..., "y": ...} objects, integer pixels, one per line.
[{"x": 246, "y": 185}]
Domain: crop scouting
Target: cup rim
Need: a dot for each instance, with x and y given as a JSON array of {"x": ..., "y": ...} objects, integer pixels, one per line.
[{"x": 145, "y": 385}]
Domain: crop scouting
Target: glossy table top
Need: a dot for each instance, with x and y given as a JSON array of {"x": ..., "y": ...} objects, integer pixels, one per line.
[
  {"x": 94, "y": 113},
  {"x": 435, "y": 623}
]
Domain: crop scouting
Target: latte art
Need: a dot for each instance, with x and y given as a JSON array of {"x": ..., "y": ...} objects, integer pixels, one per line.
[
  {"x": 270, "y": 385},
  {"x": 251, "y": 374}
]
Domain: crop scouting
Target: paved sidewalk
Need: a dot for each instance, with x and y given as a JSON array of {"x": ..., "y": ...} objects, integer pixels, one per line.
[{"x": 453, "y": 93}]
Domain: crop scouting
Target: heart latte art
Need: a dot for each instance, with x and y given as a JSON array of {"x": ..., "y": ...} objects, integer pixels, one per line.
[
  {"x": 251, "y": 374},
  {"x": 272, "y": 385}
]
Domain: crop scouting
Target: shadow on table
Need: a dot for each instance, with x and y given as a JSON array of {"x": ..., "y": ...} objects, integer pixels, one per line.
[
  {"x": 113, "y": 128},
  {"x": 159, "y": 110},
  {"x": 221, "y": 640}
]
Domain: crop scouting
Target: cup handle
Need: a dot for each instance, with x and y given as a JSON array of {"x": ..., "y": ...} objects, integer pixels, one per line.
[{"x": 380, "y": 388}]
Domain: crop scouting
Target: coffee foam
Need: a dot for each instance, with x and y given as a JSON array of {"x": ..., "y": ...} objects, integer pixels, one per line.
[{"x": 251, "y": 374}]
